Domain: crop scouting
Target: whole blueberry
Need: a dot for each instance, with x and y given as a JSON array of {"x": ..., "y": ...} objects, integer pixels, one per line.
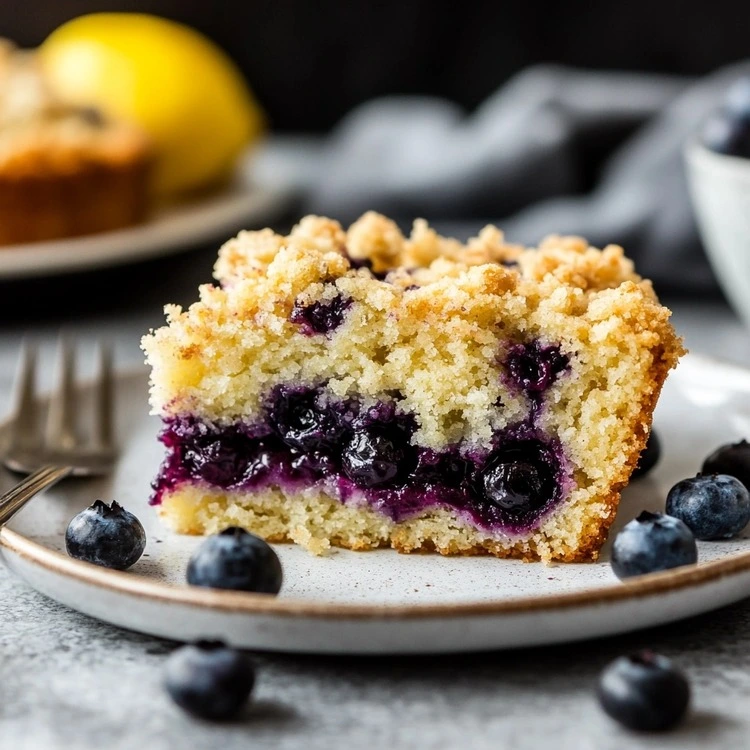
[
  {"x": 650, "y": 543},
  {"x": 519, "y": 478},
  {"x": 644, "y": 691},
  {"x": 514, "y": 486},
  {"x": 714, "y": 506},
  {"x": 302, "y": 420},
  {"x": 374, "y": 456},
  {"x": 649, "y": 457},
  {"x": 106, "y": 535},
  {"x": 209, "y": 680},
  {"x": 235, "y": 559},
  {"x": 732, "y": 459}
]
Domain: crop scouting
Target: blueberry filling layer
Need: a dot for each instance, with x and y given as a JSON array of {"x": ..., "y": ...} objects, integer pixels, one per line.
[
  {"x": 354, "y": 452},
  {"x": 320, "y": 317},
  {"x": 533, "y": 367}
]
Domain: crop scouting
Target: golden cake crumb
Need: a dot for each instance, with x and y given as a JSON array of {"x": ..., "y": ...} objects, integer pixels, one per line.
[{"x": 430, "y": 319}]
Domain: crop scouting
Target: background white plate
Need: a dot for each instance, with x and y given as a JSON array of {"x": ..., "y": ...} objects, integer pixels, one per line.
[
  {"x": 382, "y": 602},
  {"x": 201, "y": 219}
]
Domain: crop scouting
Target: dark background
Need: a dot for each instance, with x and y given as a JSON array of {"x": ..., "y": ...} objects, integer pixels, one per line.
[{"x": 310, "y": 62}]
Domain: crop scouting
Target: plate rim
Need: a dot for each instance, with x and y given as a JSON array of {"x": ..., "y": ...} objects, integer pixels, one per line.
[
  {"x": 236, "y": 602},
  {"x": 140, "y": 586}
]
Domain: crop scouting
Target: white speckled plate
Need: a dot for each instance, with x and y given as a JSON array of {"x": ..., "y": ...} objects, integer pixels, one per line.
[
  {"x": 382, "y": 602},
  {"x": 171, "y": 229}
]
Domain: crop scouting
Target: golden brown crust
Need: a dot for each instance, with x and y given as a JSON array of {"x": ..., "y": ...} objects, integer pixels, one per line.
[{"x": 94, "y": 198}]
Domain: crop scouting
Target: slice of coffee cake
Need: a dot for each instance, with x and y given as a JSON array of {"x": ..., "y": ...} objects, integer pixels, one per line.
[{"x": 364, "y": 389}]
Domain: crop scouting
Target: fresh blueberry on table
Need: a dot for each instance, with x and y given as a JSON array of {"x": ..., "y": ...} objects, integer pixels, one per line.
[
  {"x": 714, "y": 506},
  {"x": 644, "y": 691},
  {"x": 235, "y": 559},
  {"x": 649, "y": 457},
  {"x": 732, "y": 459},
  {"x": 106, "y": 535},
  {"x": 209, "y": 680},
  {"x": 652, "y": 542}
]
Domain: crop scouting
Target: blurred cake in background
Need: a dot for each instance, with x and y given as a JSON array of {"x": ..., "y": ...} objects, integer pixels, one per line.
[
  {"x": 113, "y": 114},
  {"x": 65, "y": 170}
]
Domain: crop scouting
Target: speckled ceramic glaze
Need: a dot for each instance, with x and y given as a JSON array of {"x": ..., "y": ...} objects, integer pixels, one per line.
[{"x": 381, "y": 602}]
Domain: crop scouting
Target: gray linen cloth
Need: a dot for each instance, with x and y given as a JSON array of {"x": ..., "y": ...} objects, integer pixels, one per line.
[{"x": 517, "y": 162}]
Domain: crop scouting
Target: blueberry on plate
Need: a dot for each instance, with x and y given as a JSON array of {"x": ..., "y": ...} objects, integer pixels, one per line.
[
  {"x": 106, "y": 535},
  {"x": 732, "y": 459},
  {"x": 209, "y": 680},
  {"x": 644, "y": 691},
  {"x": 235, "y": 559},
  {"x": 714, "y": 506},
  {"x": 650, "y": 543},
  {"x": 649, "y": 457}
]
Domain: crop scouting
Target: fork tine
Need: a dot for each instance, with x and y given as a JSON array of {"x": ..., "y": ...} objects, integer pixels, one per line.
[
  {"x": 24, "y": 409},
  {"x": 60, "y": 432},
  {"x": 104, "y": 408}
]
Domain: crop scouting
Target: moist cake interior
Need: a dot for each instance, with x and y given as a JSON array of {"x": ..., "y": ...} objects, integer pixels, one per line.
[{"x": 361, "y": 388}]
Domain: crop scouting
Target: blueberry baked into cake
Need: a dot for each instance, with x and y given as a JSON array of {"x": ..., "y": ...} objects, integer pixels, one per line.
[{"x": 362, "y": 389}]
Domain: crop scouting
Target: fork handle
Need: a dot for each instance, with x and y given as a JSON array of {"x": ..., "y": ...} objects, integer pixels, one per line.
[{"x": 13, "y": 500}]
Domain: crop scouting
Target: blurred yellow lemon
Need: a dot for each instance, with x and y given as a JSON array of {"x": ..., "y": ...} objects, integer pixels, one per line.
[{"x": 177, "y": 84}]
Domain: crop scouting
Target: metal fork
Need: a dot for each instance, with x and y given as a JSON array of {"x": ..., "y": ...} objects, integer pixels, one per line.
[{"x": 59, "y": 452}]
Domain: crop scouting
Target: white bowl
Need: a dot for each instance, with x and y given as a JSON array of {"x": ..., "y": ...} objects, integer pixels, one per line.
[{"x": 720, "y": 190}]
